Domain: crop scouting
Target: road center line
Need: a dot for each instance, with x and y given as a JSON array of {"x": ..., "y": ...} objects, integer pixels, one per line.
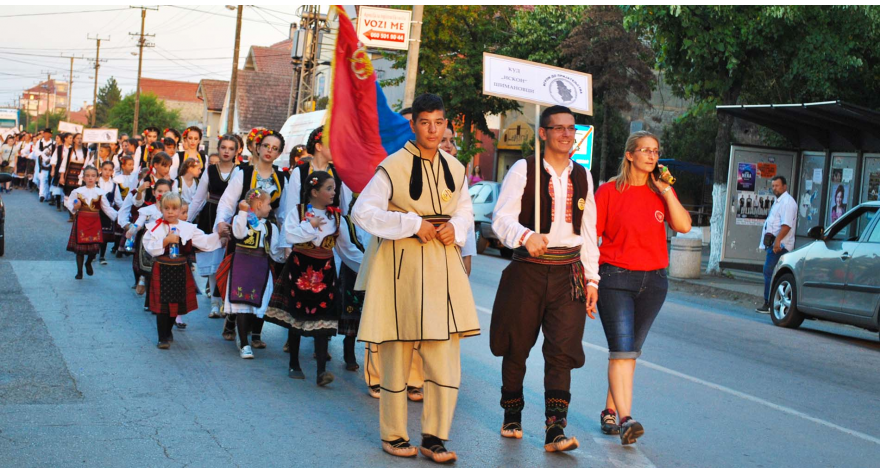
[{"x": 735, "y": 393}]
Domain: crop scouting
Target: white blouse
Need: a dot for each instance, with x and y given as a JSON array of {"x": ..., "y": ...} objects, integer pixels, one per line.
[
  {"x": 201, "y": 196},
  {"x": 240, "y": 231},
  {"x": 85, "y": 195},
  {"x": 297, "y": 231},
  {"x": 228, "y": 204},
  {"x": 155, "y": 236}
]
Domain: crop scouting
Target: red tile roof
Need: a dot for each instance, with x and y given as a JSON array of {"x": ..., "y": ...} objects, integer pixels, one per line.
[
  {"x": 213, "y": 92},
  {"x": 273, "y": 59},
  {"x": 80, "y": 116},
  {"x": 178, "y": 91},
  {"x": 262, "y": 99},
  {"x": 45, "y": 87}
]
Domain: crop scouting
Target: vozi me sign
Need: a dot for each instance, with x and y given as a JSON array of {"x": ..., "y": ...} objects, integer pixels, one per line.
[{"x": 384, "y": 27}]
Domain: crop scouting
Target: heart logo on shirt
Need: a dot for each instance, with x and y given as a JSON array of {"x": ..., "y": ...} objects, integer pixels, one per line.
[{"x": 659, "y": 216}]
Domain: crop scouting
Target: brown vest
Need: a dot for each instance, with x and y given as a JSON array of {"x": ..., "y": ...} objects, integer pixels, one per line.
[{"x": 581, "y": 188}]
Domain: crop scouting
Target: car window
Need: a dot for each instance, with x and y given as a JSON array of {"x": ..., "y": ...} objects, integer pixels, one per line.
[
  {"x": 875, "y": 234},
  {"x": 484, "y": 196},
  {"x": 475, "y": 189},
  {"x": 850, "y": 226}
]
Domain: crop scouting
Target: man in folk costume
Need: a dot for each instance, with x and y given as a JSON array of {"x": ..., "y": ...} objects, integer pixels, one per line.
[
  {"x": 552, "y": 283},
  {"x": 417, "y": 292}
]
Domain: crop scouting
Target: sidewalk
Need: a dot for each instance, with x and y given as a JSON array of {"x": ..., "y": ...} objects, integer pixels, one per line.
[{"x": 735, "y": 284}]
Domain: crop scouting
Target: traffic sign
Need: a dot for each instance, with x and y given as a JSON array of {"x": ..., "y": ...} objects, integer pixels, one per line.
[{"x": 384, "y": 28}]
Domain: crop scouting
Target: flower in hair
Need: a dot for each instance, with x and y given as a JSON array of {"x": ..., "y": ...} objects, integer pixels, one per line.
[
  {"x": 166, "y": 131},
  {"x": 314, "y": 181}
]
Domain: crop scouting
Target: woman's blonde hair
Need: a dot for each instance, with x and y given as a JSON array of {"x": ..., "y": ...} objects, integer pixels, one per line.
[
  {"x": 170, "y": 199},
  {"x": 624, "y": 173}
]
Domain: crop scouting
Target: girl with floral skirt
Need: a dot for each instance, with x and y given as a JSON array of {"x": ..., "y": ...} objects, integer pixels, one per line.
[
  {"x": 170, "y": 241},
  {"x": 142, "y": 261},
  {"x": 85, "y": 204},
  {"x": 245, "y": 277},
  {"x": 306, "y": 294}
]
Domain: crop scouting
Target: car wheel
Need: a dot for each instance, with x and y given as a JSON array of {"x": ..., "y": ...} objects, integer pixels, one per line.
[
  {"x": 783, "y": 303},
  {"x": 506, "y": 252},
  {"x": 482, "y": 243}
]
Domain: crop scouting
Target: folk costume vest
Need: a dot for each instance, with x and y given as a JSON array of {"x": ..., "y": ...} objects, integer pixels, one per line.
[
  {"x": 427, "y": 283},
  {"x": 305, "y": 170},
  {"x": 578, "y": 190},
  {"x": 249, "y": 181},
  {"x": 216, "y": 186}
]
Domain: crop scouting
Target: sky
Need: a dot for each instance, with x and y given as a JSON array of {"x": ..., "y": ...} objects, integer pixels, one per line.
[{"x": 192, "y": 42}]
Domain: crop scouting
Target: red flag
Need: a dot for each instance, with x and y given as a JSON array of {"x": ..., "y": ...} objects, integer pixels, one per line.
[{"x": 352, "y": 119}]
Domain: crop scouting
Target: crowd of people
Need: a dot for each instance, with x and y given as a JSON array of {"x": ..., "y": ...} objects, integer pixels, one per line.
[{"x": 388, "y": 266}]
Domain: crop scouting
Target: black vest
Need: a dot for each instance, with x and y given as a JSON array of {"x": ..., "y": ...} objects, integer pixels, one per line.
[
  {"x": 216, "y": 187},
  {"x": 581, "y": 189},
  {"x": 248, "y": 175},
  {"x": 202, "y": 157},
  {"x": 303, "y": 177}
]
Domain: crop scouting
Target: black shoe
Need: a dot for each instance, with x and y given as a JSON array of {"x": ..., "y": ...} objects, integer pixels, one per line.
[
  {"x": 324, "y": 378},
  {"x": 352, "y": 366},
  {"x": 42, "y": 199},
  {"x": 119, "y": 255},
  {"x": 296, "y": 374},
  {"x": 608, "y": 419},
  {"x": 89, "y": 270},
  {"x": 764, "y": 309},
  {"x": 630, "y": 430},
  {"x": 79, "y": 276}
]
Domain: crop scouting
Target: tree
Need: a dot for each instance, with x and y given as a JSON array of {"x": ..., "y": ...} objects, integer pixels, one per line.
[
  {"x": 38, "y": 123},
  {"x": 618, "y": 61},
  {"x": 451, "y": 64},
  {"x": 152, "y": 113},
  {"x": 108, "y": 96},
  {"x": 725, "y": 54},
  {"x": 538, "y": 34}
]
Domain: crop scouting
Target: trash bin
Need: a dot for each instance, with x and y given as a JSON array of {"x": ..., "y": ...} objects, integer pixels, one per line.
[{"x": 684, "y": 260}]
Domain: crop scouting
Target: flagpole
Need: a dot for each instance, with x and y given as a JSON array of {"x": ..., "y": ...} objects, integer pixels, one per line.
[{"x": 538, "y": 165}]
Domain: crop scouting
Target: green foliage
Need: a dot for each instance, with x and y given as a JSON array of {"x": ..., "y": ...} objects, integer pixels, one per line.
[
  {"x": 691, "y": 138},
  {"x": 39, "y": 122},
  {"x": 152, "y": 113},
  {"x": 451, "y": 64},
  {"x": 537, "y": 35},
  {"x": 108, "y": 96}
]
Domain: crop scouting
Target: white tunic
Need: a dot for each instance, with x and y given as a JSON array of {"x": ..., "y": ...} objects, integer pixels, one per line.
[
  {"x": 86, "y": 195},
  {"x": 188, "y": 232},
  {"x": 276, "y": 252},
  {"x": 228, "y": 204}
]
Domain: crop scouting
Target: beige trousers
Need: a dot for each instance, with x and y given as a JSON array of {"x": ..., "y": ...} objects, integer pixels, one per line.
[
  {"x": 442, "y": 366},
  {"x": 372, "y": 364}
]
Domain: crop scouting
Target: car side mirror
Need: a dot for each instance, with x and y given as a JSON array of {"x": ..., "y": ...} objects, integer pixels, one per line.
[
  {"x": 6, "y": 177},
  {"x": 817, "y": 233}
]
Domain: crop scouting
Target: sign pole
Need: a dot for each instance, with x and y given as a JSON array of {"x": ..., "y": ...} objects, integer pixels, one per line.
[{"x": 538, "y": 166}]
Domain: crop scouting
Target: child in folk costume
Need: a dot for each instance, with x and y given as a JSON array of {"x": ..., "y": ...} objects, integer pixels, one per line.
[
  {"x": 58, "y": 158},
  {"x": 188, "y": 179},
  {"x": 8, "y": 159},
  {"x": 142, "y": 262},
  {"x": 305, "y": 298},
  {"x": 246, "y": 277},
  {"x": 108, "y": 224},
  {"x": 160, "y": 165},
  {"x": 125, "y": 181},
  {"x": 192, "y": 137},
  {"x": 203, "y": 211},
  {"x": 170, "y": 241},
  {"x": 85, "y": 204},
  {"x": 352, "y": 300},
  {"x": 71, "y": 168}
]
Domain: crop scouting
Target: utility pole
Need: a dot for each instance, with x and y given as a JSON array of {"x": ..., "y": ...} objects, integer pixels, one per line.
[
  {"x": 48, "y": 82},
  {"x": 97, "y": 66},
  {"x": 141, "y": 43},
  {"x": 412, "y": 57},
  {"x": 233, "y": 83},
  {"x": 305, "y": 92},
  {"x": 70, "y": 85}
]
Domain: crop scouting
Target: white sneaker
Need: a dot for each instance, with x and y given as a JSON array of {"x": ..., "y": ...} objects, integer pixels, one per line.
[{"x": 247, "y": 353}]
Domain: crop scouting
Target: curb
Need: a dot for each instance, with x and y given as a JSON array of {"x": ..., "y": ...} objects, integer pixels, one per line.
[{"x": 698, "y": 289}]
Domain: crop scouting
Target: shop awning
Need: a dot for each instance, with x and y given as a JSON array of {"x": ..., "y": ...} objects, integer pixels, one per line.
[{"x": 833, "y": 125}]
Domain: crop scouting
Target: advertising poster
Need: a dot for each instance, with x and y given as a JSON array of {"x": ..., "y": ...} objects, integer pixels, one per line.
[
  {"x": 766, "y": 170},
  {"x": 838, "y": 201},
  {"x": 874, "y": 186},
  {"x": 745, "y": 177}
]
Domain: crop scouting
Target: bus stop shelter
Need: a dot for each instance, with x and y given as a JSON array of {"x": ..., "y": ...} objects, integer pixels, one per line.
[{"x": 835, "y": 160}]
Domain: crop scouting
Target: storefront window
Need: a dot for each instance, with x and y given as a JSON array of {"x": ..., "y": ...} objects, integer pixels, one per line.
[
  {"x": 840, "y": 189},
  {"x": 811, "y": 188}
]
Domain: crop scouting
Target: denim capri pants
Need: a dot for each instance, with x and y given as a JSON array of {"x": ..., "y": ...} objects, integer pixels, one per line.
[{"x": 629, "y": 301}]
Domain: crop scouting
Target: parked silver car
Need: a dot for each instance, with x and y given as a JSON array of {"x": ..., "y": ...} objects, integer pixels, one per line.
[
  {"x": 835, "y": 278},
  {"x": 484, "y": 195}
]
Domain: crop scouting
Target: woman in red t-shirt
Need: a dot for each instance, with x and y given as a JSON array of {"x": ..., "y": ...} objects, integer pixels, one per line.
[{"x": 632, "y": 211}]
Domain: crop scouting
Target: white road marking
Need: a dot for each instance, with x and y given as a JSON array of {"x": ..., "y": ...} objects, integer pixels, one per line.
[{"x": 735, "y": 393}]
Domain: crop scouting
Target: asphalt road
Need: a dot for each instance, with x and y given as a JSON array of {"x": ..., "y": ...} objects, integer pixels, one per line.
[{"x": 83, "y": 385}]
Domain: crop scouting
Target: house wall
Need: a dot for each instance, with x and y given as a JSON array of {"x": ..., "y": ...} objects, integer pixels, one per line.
[{"x": 191, "y": 113}]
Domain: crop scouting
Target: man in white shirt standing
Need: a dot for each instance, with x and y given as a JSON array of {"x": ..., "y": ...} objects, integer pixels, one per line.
[{"x": 777, "y": 237}]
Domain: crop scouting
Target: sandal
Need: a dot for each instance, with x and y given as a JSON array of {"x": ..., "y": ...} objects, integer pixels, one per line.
[
  {"x": 561, "y": 443},
  {"x": 180, "y": 325},
  {"x": 512, "y": 430},
  {"x": 258, "y": 344},
  {"x": 399, "y": 448},
  {"x": 375, "y": 392},
  {"x": 414, "y": 394},
  {"x": 436, "y": 451}
]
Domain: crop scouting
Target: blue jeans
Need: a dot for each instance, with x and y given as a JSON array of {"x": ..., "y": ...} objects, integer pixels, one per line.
[
  {"x": 629, "y": 301},
  {"x": 769, "y": 265}
]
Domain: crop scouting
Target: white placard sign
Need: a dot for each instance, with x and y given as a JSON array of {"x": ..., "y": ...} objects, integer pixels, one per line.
[
  {"x": 100, "y": 135},
  {"x": 384, "y": 27},
  {"x": 537, "y": 83},
  {"x": 69, "y": 127}
]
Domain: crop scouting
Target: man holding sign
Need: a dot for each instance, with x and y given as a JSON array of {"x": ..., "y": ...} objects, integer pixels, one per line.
[{"x": 552, "y": 283}]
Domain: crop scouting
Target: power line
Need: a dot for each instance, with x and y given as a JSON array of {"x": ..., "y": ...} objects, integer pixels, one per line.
[
  {"x": 63, "y": 13},
  {"x": 220, "y": 14},
  {"x": 256, "y": 9}
]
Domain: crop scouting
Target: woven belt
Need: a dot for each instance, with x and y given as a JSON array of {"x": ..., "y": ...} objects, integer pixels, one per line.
[
  {"x": 435, "y": 220},
  {"x": 559, "y": 256}
]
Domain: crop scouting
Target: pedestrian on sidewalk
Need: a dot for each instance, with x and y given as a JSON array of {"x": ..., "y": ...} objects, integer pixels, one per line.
[
  {"x": 246, "y": 277},
  {"x": 170, "y": 241},
  {"x": 552, "y": 283},
  {"x": 777, "y": 237},
  {"x": 632, "y": 210},
  {"x": 203, "y": 211},
  {"x": 418, "y": 205},
  {"x": 86, "y": 203}
]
